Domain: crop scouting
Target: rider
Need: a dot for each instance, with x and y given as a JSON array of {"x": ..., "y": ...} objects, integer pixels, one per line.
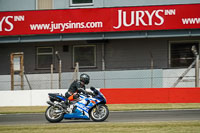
[{"x": 77, "y": 87}]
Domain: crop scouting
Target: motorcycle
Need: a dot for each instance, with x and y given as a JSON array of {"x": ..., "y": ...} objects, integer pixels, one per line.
[{"x": 85, "y": 107}]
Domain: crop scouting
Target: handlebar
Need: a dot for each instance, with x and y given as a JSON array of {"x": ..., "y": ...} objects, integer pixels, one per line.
[{"x": 94, "y": 90}]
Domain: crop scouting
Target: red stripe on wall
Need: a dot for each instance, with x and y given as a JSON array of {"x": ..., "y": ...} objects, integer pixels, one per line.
[
  {"x": 151, "y": 95},
  {"x": 184, "y": 95}
]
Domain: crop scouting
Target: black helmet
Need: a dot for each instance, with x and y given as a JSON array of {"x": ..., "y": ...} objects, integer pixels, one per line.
[{"x": 85, "y": 78}]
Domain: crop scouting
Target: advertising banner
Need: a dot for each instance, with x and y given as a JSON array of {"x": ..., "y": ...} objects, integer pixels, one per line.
[{"x": 100, "y": 20}]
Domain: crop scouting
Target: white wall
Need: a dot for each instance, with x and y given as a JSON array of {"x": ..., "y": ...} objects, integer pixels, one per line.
[{"x": 27, "y": 97}]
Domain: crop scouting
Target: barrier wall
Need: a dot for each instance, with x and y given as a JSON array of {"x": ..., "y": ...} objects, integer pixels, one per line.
[
  {"x": 113, "y": 96},
  {"x": 27, "y": 97},
  {"x": 152, "y": 95}
]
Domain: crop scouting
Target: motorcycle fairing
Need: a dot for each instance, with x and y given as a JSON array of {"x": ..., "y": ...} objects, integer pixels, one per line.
[
  {"x": 77, "y": 115},
  {"x": 82, "y": 111},
  {"x": 62, "y": 98}
]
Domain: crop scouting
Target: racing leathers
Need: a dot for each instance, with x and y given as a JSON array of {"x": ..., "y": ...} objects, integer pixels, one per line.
[{"x": 75, "y": 88}]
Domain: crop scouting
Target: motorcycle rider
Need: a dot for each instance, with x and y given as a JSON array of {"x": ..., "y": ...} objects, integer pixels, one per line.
[{"x": 76, "y": 88}]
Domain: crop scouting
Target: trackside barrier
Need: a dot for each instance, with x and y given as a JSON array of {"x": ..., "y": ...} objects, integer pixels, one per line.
[
  {"x": 27, "y": 97},
  {"x": 151, "y": 95},
  {"x": 113, "y": 96}
]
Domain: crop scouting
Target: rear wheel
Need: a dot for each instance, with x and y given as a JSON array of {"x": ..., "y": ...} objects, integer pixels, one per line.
[
  {"x": 99, "y": 113},
  {"x": 54, "y": 114}
]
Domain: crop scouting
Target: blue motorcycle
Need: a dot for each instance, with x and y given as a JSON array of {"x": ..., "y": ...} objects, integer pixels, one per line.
[{"x": 85, "y": 107}]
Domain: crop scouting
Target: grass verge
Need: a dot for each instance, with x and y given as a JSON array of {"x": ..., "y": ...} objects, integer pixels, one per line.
[
  {"x": 153, "y": 127},
  {"x": 112, "y": 107},
  {"x": 166, "y": 106}
]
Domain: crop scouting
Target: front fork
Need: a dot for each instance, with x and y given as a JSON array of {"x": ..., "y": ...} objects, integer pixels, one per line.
[{"x": 97, "y": 108}]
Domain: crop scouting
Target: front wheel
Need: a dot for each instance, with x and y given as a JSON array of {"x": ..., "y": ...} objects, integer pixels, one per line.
[
  {"x": 99, "y": 113},
  {"x": 54, "y": 114}
]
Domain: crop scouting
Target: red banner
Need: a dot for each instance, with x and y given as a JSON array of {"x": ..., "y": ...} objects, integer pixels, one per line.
[{"x": 100, "y": 20}]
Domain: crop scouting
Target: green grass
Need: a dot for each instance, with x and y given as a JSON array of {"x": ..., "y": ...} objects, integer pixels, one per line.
[
  {"x": 152, "y": 127},
  {"x": 112, "y": 107},
  {"x": 167, "y": 106},
  {"x": 22, "y": 109}
]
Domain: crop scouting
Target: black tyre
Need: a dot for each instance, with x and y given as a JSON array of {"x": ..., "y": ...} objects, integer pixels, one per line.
[
  {"x": 54, "y": 114},
  {"x": 99, "y": 113}
]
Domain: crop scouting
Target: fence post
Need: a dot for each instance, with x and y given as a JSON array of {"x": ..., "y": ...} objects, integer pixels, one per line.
[
  {"x": 197, "y": 72},
  {"x": 77, "y": 70},
  {"x": 59, "y": 69},
  {"x": 194, "y": 50},
  {"x": 51, "y": 76},
  {"x": 103, "y": 64},
  {"x": 152, "y": 65}
]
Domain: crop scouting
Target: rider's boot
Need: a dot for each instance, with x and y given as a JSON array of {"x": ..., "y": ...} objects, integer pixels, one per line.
[
  {"x": 66, "y": 104},
  {"x": 66, "y": 107}
]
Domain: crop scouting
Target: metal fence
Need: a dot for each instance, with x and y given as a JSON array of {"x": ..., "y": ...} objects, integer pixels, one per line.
[{"x": 148, "y": 78}]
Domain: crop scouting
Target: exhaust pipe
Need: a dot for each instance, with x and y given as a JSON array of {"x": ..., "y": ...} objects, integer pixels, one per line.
[{"x": 51, "y": 103}]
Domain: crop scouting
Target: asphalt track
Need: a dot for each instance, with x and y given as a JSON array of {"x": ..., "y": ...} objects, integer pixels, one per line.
[{"x": 127, "y": 116}]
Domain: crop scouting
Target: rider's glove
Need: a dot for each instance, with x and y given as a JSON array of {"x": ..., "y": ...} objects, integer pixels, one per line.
[
  {"x": 76, "y": 96},
  {"x": 89, "y": 93},
  {"x": 92, "y": 88}
]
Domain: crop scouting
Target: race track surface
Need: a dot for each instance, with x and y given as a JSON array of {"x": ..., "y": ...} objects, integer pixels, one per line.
[{"x": 127, "y": 116}]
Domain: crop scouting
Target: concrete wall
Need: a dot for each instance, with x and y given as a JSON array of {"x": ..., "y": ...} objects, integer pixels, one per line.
[{"x": 26, "y": 97}]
